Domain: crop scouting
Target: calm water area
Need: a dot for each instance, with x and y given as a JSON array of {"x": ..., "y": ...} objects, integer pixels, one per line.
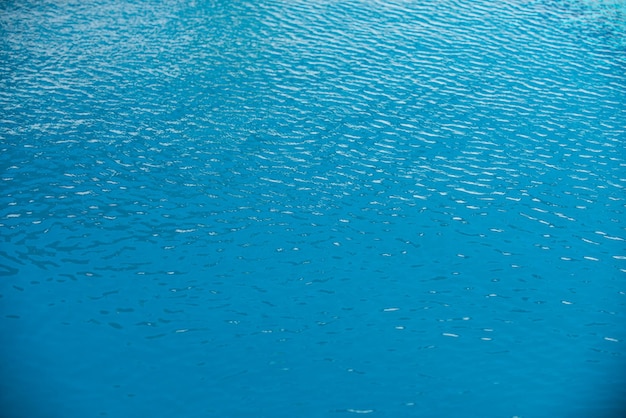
[{"x": 320, "y": 208}]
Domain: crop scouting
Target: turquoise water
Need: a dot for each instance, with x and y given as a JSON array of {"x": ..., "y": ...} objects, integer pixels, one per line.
[{"x": 312, "y": 208}]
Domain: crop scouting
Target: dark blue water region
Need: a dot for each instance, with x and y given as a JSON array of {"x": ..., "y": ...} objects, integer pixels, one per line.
[{"x": 312, "y": 208}]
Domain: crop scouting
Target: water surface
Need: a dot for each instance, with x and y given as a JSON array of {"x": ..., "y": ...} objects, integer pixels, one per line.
[{"x": 312, "y": 208}]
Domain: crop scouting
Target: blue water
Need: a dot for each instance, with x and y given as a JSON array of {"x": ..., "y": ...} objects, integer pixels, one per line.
[{"x": 313, "y": 208}]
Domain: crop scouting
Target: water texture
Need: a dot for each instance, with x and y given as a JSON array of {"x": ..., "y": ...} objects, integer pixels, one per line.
[{"x": 312, "y": 208}]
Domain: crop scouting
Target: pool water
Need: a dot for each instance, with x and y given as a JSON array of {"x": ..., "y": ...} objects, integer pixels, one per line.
[{"x": 313, "y": 208}]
